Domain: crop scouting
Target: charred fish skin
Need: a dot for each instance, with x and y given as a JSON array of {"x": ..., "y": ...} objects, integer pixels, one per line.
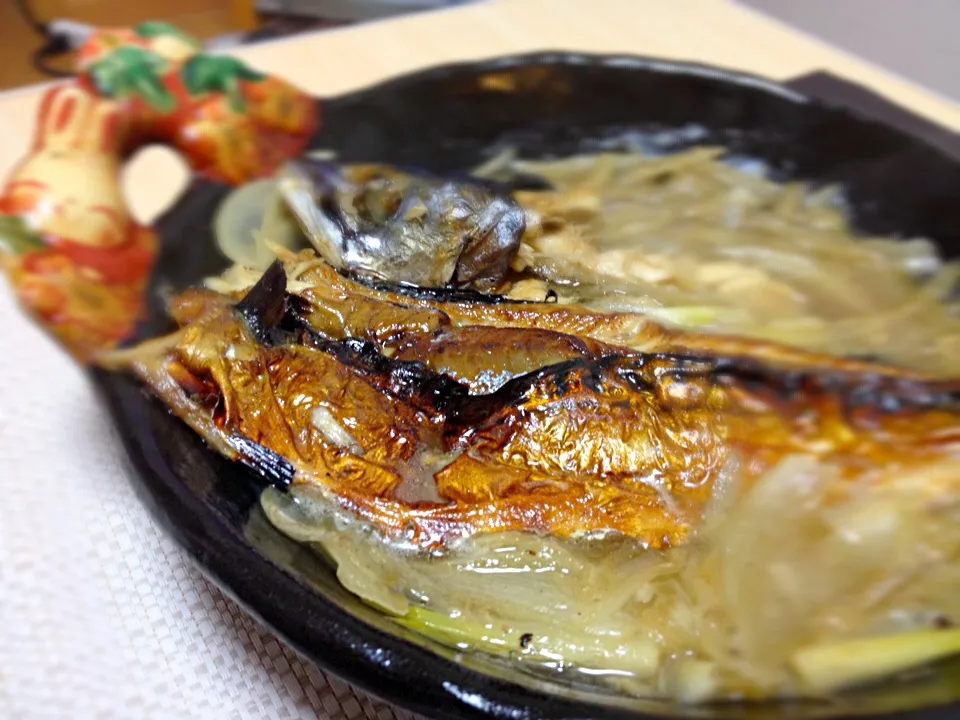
[
  {"x": 485, "y": 358},
  {"x": 272, "y": 316},
  {"x": 408, "y": 381},
  {"x": 411, "y": 228},
  {"x": 274, "y": 469},
  {"x": 714, "y": 386},
  {"x": 629, "y": 444}
]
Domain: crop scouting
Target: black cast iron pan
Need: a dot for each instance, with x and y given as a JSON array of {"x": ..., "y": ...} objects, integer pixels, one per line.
[{"x": 451, "y": 119}]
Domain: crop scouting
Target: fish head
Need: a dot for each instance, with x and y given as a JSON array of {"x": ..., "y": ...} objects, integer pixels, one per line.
[{"x": 402, "y": 226}]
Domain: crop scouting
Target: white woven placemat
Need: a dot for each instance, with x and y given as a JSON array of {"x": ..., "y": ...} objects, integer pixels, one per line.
[{"x": 101, "y": 615}]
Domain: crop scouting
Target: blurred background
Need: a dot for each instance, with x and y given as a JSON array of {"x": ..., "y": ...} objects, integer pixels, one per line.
[
  {"x": 913, "y": 38},
  {"x": 885, "y": 32},
  {"x": 29, "y": 57}
]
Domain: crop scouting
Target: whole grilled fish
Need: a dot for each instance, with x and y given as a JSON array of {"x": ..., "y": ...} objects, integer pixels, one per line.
[{"x": 629, "y": 443}]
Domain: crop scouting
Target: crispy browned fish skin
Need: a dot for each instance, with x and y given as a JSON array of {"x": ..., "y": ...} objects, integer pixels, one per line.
[
  {"x": 626, "y": 444},
  {"x": 268, "y": 395}
]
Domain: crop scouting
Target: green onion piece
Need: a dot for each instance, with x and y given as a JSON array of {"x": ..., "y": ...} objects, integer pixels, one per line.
[
  {"x": 640, "y": 656},
  {"x": 824, "y": 668}
]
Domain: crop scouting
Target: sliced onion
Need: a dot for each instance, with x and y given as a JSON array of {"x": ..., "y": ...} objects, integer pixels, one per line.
[{"x": 250, "y": 216}]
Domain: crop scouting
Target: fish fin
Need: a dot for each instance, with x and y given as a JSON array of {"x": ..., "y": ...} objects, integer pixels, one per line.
[{"x": 265, "y": 304}]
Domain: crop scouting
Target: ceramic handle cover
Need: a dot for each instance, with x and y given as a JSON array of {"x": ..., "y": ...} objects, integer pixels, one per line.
[{"x": 77, "y": 260}]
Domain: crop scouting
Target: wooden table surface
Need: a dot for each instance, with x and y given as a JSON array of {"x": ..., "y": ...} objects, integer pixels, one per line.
[{"x": 713, "y": 31}]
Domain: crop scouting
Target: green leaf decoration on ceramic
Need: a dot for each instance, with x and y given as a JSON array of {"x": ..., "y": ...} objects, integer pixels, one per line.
[
  {"x": 16, "y": 237},
  {"x": 218, "y": 73},
  {"x": 133, "y": 72},
  {"x": 158, "y": 28}
]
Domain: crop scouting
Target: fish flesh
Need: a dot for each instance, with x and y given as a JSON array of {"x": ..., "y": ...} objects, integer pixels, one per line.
[{"x": 630, "y": 443}]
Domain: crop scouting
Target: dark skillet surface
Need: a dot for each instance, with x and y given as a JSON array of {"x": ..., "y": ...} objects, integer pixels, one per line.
[{"x": 449, "y": 119}]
